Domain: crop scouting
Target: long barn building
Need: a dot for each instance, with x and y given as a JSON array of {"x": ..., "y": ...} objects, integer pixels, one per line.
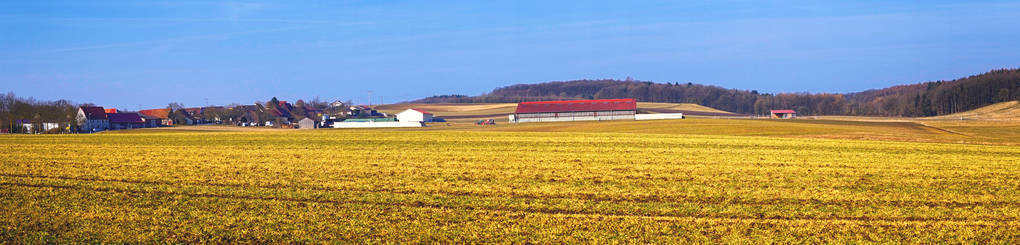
[{"x": 574, "y": 110}]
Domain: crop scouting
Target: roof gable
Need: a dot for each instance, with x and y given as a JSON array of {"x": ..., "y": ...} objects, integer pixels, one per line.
[
  {"x": 159, "y": 113},
  {"x": 148, "y": 117},
  {"x": 420, "y": 110},
  {"x": 94, "y": 112}
]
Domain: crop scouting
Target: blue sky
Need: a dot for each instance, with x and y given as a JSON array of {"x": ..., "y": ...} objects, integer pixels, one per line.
[{"x": 142, "y": 54}]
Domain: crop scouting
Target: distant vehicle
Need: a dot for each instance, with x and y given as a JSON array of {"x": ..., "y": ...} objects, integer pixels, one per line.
[{"x": 486, "y": 122}]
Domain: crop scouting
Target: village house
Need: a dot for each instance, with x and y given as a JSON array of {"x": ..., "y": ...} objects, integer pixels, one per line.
[
  {"x": 194, "y": 115},
  {"x": 249, "y": 115},
  {"x": 92, "y": 119},
  {"x": 150, "y": 121},
  {"x": 336, "y": 104},
  {"x": 162, "y": 114}
]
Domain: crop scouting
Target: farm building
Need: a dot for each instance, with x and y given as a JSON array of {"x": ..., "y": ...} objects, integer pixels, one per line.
[
  {"x": 125, "y": 120},
  {"x": 92, "y": 119},
  {"x": 162, "y": 114},
  {"x": 575, "y": 110},
  {"x": 150, "y": 121},
  {"x": 414, "y": 115},
  {"x": 386, "y": 122},
  {"x": 306, "y": 123},
  {"x": 783, "y": 114}
]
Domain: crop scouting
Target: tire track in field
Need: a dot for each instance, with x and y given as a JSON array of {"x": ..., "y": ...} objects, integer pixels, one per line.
[
  {"x": 547, "y": 211},
  {"x": 573, "y": 196},
  {"x": 938, "y": 129}
]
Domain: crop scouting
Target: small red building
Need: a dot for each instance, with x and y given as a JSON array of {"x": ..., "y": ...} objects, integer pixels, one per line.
[{"x": 783, "y": 114}]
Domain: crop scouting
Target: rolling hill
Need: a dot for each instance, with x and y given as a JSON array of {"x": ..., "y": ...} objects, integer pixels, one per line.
[
  {"x": 1004, "y": 111},
  {"x": 912, "y": 100}
]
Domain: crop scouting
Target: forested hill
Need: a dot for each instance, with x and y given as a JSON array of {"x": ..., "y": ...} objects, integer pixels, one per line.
[{"x": 922, "y": 99}]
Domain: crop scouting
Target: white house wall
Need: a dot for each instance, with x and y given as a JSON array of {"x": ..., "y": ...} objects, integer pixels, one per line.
[
  {"x": 378, "y": 124},
  {"x": 413, "y": 116},
  {"x": 659, "y": 116}
]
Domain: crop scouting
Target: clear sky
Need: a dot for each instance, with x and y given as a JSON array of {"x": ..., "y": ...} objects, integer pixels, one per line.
[{"x": 131, "y": 54}]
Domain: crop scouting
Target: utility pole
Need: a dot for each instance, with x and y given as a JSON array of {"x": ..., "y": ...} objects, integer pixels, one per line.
[{"x": 370, "y": 98}]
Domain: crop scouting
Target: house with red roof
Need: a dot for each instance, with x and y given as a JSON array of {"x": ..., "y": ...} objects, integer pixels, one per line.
[
  {"x": 194, "y": 115},
  {"x": 414, "y": 115},
  {"x": 150, "y": 121},
  {"x": 783, "y": 114},
  {"x": 92, "y": 119},
  {"x": 162, "y": 114},
  {"x": 575, "y": 110}
]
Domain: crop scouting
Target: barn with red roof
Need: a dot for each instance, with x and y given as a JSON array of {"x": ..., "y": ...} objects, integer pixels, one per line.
[
  {"x": 163, "y": 116},
  {"x": 575, "y": 110},
  {"x": 783, "y": 114}
]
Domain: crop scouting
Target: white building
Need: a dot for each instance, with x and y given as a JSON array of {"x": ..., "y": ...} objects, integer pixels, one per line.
[
  {"x": 47, "y": 126},
  {"x": 336, "y": 104},
  {"x": 414, "y": 115},
  {"x": 306, "y": 123},
  {"x": 373, "y": 124}
]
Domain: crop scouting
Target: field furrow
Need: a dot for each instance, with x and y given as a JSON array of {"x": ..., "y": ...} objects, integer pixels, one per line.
[{"x": 458, "y": 185}]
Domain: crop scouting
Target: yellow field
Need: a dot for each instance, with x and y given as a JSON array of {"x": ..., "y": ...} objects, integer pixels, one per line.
[{"x": 694, "y": 180}]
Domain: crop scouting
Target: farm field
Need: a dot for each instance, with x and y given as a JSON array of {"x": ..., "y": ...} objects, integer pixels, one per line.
[{"x": 695, "y": 180}]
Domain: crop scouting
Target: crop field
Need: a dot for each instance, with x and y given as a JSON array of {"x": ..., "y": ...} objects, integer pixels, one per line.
[{"x": 592, "y": 182}]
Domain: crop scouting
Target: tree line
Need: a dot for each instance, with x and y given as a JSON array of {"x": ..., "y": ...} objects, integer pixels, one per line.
[
  {"x": 14, "y": 109},
  {"x": 922, "y": 99}
]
